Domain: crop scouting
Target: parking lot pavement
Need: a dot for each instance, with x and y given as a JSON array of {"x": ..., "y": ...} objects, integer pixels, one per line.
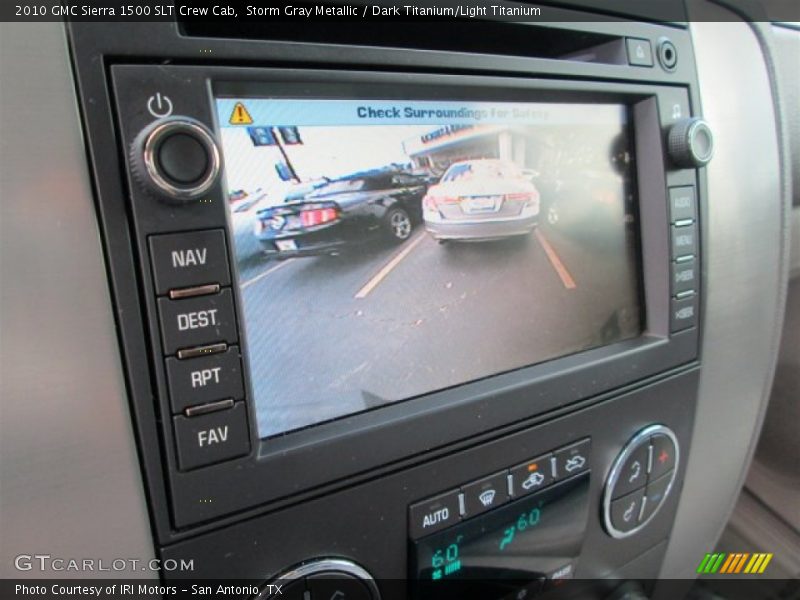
[{"x": 329, "y": 336}]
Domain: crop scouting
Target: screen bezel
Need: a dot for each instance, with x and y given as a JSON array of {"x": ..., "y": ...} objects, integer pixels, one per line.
[
  {"x": 359, "y": 92},
  {"x": 320, "y": 458}
]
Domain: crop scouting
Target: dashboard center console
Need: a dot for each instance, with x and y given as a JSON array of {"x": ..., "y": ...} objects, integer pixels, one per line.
[{"x": 405, "y": 330}]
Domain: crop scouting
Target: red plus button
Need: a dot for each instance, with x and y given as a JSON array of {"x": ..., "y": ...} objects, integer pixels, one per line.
[{"x": 663, "y": 456}]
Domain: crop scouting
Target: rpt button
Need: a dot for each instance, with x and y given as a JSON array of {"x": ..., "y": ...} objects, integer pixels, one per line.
[
  {"x": 205, "y": 379},
  {"x": 212, "y": 438},
  {"x": 197, "y": 321},
  {"x": 183, "y": 260}
]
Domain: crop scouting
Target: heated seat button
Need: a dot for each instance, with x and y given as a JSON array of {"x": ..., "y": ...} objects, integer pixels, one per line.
[
  {"x": 336, "y": 586},
  {"x": 433, "y": 514},
  {"x": 485, "y": 494},
  {"x": 205, "y": 379},
  {"x": 197, "y": 321},
  {"x": 663, "y": 456},
  {"x": 572, "y": 459},
  {"x": 531, "y": 476},
  {"x": 625, "y": 511},
  {"x": 633, "y": 474},
  {"x": 212, "y": 438},
  {"x": 182, "y": 260}
]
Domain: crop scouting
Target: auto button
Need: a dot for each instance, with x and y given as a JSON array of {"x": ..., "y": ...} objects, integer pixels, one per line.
[{"x": 433, "y": 514}]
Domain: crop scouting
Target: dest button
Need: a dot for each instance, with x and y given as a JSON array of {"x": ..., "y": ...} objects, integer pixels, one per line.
[
  {"x": 433, "y": 514},
  {"x": 197, "y": 321},
  {"x": 212, "y": 438}
]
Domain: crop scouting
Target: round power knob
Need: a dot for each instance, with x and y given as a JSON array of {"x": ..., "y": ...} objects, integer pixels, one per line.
[
  {"x": 177, "y": 158},
  {"x": 690, "y": 143}
]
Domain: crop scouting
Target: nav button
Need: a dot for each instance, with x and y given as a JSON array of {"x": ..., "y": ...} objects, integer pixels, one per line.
[
  {"x": 433, "y": 514},
  {"x": 182, "y": 260}
]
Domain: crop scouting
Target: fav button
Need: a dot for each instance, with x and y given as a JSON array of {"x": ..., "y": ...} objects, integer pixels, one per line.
[
  {"x": 433, "y": 514},
  {"x": 205, "y": 379},
  {"x": 625, "y": 511},
  {"x": 485, "y": 494},
  {"x": 663, "y": 456},
  {"x": 212, "y": 438},
  {"x": 531, "y": 476},
  {"x": 197, "y": 321},
  {"x": 183, "y": 260},
  {"x": 633, "y": 474},
  {"x": 572, "y": 459}
]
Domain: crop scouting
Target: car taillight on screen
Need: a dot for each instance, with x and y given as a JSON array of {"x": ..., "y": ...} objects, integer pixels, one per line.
[
  {"x": 317, "y": 216},
  {"x": 526, "y": 198},
  {"x": 433, "y": 202}
]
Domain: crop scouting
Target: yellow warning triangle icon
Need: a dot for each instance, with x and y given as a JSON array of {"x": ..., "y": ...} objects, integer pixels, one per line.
[{"x": 240, "y": 116}]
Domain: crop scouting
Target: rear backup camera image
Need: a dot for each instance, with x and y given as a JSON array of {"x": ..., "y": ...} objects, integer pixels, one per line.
[{"x": 387, "y": 248}]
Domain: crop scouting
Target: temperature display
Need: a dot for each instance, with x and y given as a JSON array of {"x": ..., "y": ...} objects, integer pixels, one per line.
[{"x": 511, "y": 547}]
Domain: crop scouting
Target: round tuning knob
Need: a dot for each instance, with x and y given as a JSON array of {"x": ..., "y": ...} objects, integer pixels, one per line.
[
  {"x": 690, "y": 143},
  {"x": 177, "y": 158},
  {"x": 324, "y": 578}
]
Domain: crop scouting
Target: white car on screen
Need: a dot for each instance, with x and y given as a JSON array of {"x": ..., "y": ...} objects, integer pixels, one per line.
[{"x": 483, "y": 199}]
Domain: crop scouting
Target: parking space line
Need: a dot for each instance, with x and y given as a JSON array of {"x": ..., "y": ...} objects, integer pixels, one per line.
[
  {"x": 261, "y": 276},
  {"x": 388, "y": 267},
  {"x": 559, "y": 267}
]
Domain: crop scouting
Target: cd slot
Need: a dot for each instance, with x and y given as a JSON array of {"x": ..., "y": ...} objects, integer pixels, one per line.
[{"x": 474, "y": 36}]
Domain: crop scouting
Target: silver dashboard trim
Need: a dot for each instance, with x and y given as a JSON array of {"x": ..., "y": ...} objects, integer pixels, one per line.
[{"x": 70, "y": 479}]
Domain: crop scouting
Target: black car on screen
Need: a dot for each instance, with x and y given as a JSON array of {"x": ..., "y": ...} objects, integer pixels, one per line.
[{"x": 342, "y": 213}]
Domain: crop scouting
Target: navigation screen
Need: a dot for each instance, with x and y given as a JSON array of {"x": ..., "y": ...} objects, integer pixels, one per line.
[{"x": 389, "y": 248}]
